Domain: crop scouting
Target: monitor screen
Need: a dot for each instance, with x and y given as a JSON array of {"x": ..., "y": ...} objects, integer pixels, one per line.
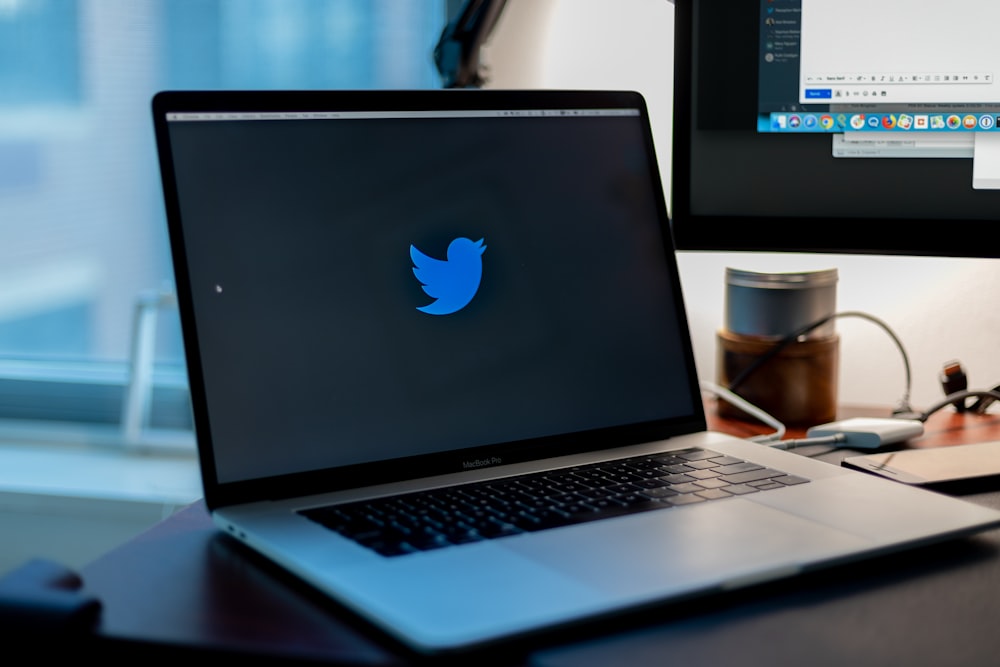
[{"x": 839, "y": 126}]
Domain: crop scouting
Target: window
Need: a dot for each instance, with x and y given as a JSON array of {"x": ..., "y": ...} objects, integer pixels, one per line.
[
  {"x": 85, "y": 278},
  {"x": 902, "y": 52}
]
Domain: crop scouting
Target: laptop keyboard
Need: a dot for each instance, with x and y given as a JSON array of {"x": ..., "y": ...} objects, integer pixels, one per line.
[{"x": 413, "y": 522}]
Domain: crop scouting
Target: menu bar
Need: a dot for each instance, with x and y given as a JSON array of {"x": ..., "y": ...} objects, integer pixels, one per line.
[{"x": 201, "y": 116}]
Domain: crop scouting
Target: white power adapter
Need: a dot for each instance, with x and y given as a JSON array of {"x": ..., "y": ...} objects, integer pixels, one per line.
[{"x": 869, "y": 432}]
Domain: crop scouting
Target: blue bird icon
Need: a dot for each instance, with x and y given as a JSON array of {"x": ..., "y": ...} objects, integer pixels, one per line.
[{"x": 452, "y": 282}]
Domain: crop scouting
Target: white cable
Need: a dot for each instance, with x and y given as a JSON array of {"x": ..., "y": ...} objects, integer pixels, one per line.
[
  {"x": 748, "y": 408},
  {"x": 773, "y": 439}
]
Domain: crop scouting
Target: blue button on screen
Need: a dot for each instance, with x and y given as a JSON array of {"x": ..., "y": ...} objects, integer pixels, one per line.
[{"x": 819, "y": 93}]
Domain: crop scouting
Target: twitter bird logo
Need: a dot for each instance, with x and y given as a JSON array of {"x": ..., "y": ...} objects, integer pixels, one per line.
[{"x": 452, "y": 282}]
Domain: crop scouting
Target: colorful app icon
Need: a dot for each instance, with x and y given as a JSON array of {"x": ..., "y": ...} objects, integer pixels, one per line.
[
  {"x": 778, "y": 121},
  {"x": 937, "y": 122},
  {"x": 986, "y": 122},
  {"x": 954, "y": 122},
  {"x": 905, "y": 121},
  {"x": 810, "y": 121},
  {"x": 970, "y": 122},
  {"x": 826, "y": 122},
  {"x": 858, "y": 121},
  {"x": 889, "y": 121},
  {"x": 794, "y": 121},
  {"x": 921, "y": 122}
]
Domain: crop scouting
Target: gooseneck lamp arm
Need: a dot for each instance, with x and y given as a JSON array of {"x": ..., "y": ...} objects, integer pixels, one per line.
[{"x": 456, "y": 54}]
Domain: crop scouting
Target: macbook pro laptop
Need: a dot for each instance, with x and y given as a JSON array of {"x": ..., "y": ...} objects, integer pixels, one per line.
[{"x": 441, "y": 371}]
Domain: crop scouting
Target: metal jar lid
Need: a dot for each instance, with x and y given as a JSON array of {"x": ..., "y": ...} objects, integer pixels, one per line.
[{"x": 773, "y": 305}]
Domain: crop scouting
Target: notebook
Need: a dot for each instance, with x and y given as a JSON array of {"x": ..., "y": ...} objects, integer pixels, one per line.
[{"x": 441, "y": 371}]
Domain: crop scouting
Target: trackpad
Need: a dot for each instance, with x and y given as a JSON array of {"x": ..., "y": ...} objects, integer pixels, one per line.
[{"x": 686, "y": 548}]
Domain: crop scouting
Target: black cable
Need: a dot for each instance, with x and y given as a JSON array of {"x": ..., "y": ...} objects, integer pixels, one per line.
[
  {"x": 985, "y": 401},
  {"x": 988, "y": 394},
  {"x": 904, "y": 405}
]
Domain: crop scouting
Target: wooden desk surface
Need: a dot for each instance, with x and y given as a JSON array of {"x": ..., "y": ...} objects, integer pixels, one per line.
[{"x": 184, "y": 584}]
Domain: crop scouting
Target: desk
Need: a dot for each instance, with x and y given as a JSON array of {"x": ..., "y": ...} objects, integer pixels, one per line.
[{"x": 182, "y": 584}]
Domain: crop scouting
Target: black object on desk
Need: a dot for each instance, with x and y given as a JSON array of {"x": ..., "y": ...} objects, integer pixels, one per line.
[
  {"x": 951, "y": 469},
  {"x": 44, "y": 597}
]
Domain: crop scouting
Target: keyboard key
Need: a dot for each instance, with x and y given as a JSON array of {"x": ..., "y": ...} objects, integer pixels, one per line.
[
  {"x": 543, "y": 519},
  {"x": 751, "y": 476},
  {"x": 575, "y": 510},
  {"x": 791, "y": 480},
  {"x": 734, "y": 468},
  {"x": 701, "y": 465},
  {"x": 686, "y": 499},
  {"x": 492, "y": 529},
  {"x": 713, "y": 494},
  {"x": 695, "y": 454},
  {"x": 726, "y": 460},
  {"x": 741, "y": 489},
  {"x": 661, "y": 492},
  {"x": 655, "y": 483},
  {"x": 688, "y": 487},
  {"x": 770, "y": 485}
]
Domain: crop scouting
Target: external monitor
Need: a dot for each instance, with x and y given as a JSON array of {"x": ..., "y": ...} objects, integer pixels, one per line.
[{"x": 840, "y": 126}]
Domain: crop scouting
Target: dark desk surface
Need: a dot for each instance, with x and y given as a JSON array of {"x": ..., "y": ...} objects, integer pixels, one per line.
[{"x": 182, "y": 585}]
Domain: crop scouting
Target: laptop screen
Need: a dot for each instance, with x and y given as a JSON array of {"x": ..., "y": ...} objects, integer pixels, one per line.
[{"x": 364, "y": 279}]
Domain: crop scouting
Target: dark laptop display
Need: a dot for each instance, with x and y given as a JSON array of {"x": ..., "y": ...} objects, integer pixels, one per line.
[{"x": 316, "y": 242}]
